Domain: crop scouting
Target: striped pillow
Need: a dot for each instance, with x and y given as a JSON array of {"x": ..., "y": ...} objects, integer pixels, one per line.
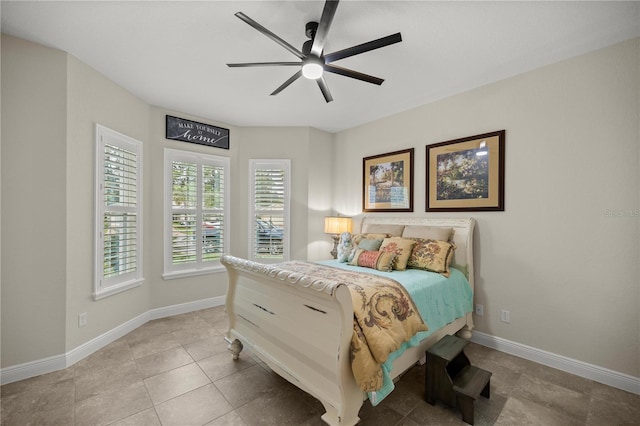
[{"x": 380, "y": 260}]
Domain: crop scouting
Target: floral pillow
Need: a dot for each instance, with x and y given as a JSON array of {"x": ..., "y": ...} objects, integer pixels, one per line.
[
  {"x": 382, "y": 261},
  {"x": 401, "y": 247},
  {"x": 432, "y": 255}
]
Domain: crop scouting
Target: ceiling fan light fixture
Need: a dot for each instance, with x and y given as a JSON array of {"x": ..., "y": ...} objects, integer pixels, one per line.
[
  {"x": 312, "y": 67},
  {"x": 314, "y": 61}
]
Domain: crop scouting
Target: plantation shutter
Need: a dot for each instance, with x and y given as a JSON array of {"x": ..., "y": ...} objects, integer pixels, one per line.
[
  {"x": 213, "y": 212},
  {"x": 197, "y": 192},
  {"x": 118, "y": 212},
  {"x": 270, "y": 209},
  {"x": 183, "y": 218},
  {"x": 120, "y": 231}
]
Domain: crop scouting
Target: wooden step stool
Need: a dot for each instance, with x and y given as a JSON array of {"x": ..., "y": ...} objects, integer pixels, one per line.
[{"x": 452, "y": 379}]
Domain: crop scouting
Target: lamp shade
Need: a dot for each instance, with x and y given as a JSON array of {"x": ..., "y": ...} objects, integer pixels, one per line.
[{"x": 337, "y": 224}]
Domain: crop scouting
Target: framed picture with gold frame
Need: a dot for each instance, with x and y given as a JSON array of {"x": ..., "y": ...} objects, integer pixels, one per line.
[
  {"x": 466, "y": 174},
  {"x": 388, "y": 182}
]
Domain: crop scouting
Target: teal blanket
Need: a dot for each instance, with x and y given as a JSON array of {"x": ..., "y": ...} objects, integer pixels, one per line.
[{"x": 440, "y": 301}]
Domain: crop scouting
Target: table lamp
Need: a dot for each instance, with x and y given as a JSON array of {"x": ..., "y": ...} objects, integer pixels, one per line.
[{"x": 336, "y": 225}]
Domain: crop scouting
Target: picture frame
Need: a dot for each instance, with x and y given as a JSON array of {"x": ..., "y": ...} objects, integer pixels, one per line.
[
  {"x": 466, "y": 174},
  {"x": 388, "y": 182}
]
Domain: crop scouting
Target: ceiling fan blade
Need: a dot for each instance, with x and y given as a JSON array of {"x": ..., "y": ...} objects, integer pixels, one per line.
[
  {"x": 287, "y": 83},
  {"x": 325, "y": 89},
  {"x": 353, "y": 74},
  {"x": 263, "y": 64},
  {"x": 328, "y": 12},
  {"x": 364, "y": 47},
  {"x": 269, "y": 34}
]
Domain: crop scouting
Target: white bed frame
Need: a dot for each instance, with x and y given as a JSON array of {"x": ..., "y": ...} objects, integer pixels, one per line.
[{"x": 301, "y": 326}]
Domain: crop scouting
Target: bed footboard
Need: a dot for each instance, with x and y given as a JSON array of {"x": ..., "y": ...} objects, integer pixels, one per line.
[{"x": 300, "y": 326}]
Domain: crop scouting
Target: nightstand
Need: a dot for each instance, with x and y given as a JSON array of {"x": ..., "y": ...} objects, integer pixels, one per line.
[{"x": 452, "y": 379}]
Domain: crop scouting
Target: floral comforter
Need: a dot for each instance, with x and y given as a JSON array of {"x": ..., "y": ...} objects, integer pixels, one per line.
[{"x": 384, "y": 318}]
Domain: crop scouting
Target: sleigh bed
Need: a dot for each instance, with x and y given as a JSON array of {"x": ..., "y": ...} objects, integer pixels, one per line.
[{"x": 301, "y": 324}]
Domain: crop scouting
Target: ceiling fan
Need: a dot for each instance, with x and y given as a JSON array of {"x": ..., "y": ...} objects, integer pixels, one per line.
[{"x": 314, "y": 62}]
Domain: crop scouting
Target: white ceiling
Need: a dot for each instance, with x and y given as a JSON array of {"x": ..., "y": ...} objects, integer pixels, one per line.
[{"x": 173, "y": 54}]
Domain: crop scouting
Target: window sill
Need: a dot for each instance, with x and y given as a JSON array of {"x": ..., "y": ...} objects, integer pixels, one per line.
[
  {"x": 185, "y": 273},
  {"x": 115, "y": 289}
]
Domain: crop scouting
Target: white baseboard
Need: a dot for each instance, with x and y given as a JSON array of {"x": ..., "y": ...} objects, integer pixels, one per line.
[
  {"x": 31, "y": 369},
  {"x": 183, "y": 308},
  {"x": 579, "y": 368},
  {"x": 58, "y": 362},
  {"x": 104, "y": 339}
]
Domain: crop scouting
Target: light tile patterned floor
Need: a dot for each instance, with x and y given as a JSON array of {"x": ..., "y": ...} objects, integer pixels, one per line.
[{"x": 177, "y": 371}]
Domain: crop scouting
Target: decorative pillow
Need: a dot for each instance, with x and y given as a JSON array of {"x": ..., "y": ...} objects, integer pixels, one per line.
[
  {"x": 427, "y": 232},
  {"x": 379, "y": 228},
  {"x": 382, "y": 261},
  {"x": 356, "y": 239},
  {"x": 345, "y": 247},
  {"x": 370, "y": 244},
  {"x": 432, "y": 255},
  {"x": 401, "y": 247}
]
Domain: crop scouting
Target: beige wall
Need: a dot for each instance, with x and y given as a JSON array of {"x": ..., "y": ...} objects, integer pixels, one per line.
[
  {"x": 51, "y": 103},
  {"x": 563, "y": 257},
  {"x": 320, "y": 196},
  {"x": 33, "y": 201},
  {"x": 556, "y": 258},
  {"x": 298, "y": 144},
  {"x": 180, "y": 290},
  {"x": 93, "y": 99}
]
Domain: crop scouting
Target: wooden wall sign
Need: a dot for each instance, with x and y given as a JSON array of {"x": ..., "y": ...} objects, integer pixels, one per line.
[{"x": 180, "y": 129}]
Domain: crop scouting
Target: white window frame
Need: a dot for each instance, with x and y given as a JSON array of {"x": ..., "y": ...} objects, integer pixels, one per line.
[
  {"x": 285, "y": 165},
  {"x": 107, "y": 286},
  {"x": 199, "y": 267}
]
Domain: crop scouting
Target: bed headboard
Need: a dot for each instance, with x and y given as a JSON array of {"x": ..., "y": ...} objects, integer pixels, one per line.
[{"x": 462, "y": 236}]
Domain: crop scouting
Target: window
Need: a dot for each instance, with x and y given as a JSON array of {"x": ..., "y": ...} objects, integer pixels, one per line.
[
  {"x": 269, "y": 215},
  {"x": 118, "y": 221},
  {"x": 196, "y": 212}
]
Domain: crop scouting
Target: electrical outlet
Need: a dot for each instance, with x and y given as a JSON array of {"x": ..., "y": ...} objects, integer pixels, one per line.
[
  {"x": 505, "y": 316},
  {"x": 82, "y": 319},
  {"x": 479, "y": 309}
]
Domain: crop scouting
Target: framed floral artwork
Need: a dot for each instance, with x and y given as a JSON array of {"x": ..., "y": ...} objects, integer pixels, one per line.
[{"x": 466, "y": 174}]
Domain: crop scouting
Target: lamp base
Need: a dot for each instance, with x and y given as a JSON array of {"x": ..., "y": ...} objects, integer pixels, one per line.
[{"x": 336, "y": 240}]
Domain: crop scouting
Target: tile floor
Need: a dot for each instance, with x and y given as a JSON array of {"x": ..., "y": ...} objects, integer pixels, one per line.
[{"x": 177, "y": 371}]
